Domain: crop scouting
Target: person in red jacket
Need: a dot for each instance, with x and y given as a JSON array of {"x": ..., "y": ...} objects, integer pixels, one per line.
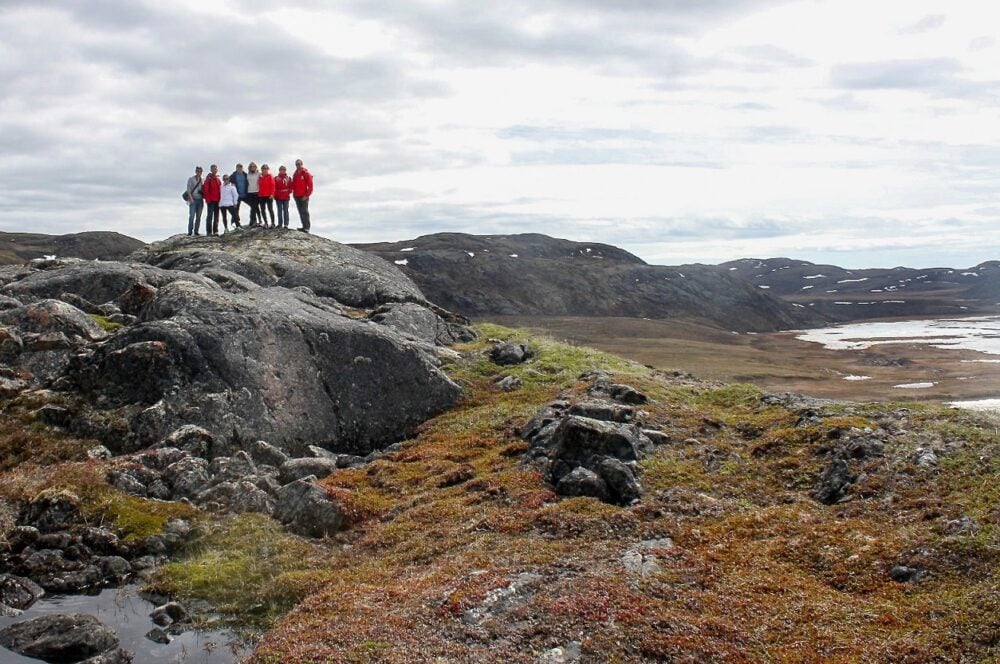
[
  {"x": 266, "y": 194},
  {"x": 282, "y": 193},
  {"x": 212, "y": 191},
  {"x": 302, "y": 189}
]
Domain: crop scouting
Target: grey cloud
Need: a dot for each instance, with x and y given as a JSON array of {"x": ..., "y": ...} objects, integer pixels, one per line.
[
  {"x": 982, "y": 43},
  {"x": 926, "y": 24},
  {"x": 931, "y": 74}
]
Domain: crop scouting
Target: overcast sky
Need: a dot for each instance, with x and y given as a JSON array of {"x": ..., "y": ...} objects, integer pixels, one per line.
[{"x": 857, "y": 133}]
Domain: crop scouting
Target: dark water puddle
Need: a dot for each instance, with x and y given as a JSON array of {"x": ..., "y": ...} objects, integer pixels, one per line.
[{"x": 123, "y": 610}]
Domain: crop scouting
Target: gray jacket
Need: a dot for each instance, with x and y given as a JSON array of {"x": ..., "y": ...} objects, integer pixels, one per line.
[{"x": 194, "y": 187}]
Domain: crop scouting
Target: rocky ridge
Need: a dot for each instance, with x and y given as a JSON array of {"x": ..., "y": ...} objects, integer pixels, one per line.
[{"x": 532, "y": 274}]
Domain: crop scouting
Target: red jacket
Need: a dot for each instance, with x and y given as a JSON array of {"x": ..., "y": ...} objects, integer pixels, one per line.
[
  {"x": 302, "y": 183},
  {"x": 282, "y": 187},
  {"x": 212, "y": 189},
  {"x": 266, "y": 186}
]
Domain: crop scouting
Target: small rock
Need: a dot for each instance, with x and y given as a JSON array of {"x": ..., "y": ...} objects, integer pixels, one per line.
[
  {"x": 507, "y": 353},
  {"x": 157, "y": 635},
  {"x": 19, "y": 592},
  {"x": 603, "y": 410},
  {"x": 834, "y": 482},
  {"x": 53, "y": 510},
  {"x": 904, "y": 574},
  {"x": 68, "y": 637},
  {"x": 510, "y": 383},
  {"x": 657, "y": 437},
  {"x": 169, "y": 613},
  {"x": 307, "y": 509},
  {"x": 295, "y": 469},
  {"x": 264, "y": 452},
  {"x": 582, "y": 482},
  {"x": 99, "y": 453},
  {"x": 53, "y": 415}
]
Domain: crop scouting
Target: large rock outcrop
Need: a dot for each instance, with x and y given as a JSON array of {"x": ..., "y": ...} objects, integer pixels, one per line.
[
  {"x": 273, "y": 363},
  {"x": 285, "y": 258},
  {"x": 269, "y": 335}
]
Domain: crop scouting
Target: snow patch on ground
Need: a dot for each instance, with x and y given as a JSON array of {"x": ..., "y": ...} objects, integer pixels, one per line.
[
  {"x": 815, "y": 276},
  {"x": 977, "y": 404},
  {"x": 915, "y": 386},
  {"x": 408, "y": 249},
  {"x": 853, "y": 377},
  {"x": 852, "y": 281},
  {"x": 402, "y": 261}
]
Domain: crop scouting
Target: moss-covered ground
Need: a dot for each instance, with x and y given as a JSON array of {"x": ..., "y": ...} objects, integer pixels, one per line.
[{"x": 759, "y": 571}]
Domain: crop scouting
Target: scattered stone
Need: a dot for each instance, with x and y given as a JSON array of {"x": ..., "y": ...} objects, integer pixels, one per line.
[
  {"x": 834, "y": 482},
  {"x": 99, "y": 453},
  {"x": 53, "y": 415},
  {"x": 264, "y": 452},
  {"x": 21, "y": 537},
  {"x": 926, "y": 458},
  {"x": 506, "y": 353},
  {"x": 621, "y": 480},
  {"x": 19, "y": 592},
  {"x": 962, "y": 526},
  {"x": 188, "y": 477},
  {"x": 53, "y": 510},
  {"x": 71, "y": 637},
  {"x": 904, "y": 574},
  {"x": 642, "y": 558},
  {"x": 157, "y": 635},
  {"x": 307, "y": 509},
  {"x": 567, "y": 654},
  {"x": 510, "y": 383},
  {"x": 169, "y": 613},
  {"x": 657, "y": 437},
  {"x": 295, "y": 469},
  {"x": 603, "y": 410},
  {"x": 582, "y": 482},
  {"x": 192, "y": 439}
]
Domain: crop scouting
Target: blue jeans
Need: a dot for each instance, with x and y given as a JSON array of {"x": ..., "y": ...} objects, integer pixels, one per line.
[
  {"x": 282, "y": 213},
  {"x": 194, "y": 215}
]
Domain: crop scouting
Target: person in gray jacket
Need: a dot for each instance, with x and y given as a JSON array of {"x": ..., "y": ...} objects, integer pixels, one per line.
[{"x": 195, "y": 202}]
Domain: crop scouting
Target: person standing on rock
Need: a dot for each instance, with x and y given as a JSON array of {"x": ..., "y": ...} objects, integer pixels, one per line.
[
  {"x": 302, "y": 189},
  {"x": 266, "y": 194},
  {"x": 212, "y": 191},
  {"x": 228, "y": 202},
  {"x": 253, "y": 186},
  {"x": 195, "y": 202},
  {"x": 282, "y": 194},
  {"x": 239, "y": 180}
]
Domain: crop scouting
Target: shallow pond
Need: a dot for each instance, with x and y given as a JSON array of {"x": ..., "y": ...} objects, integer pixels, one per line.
[{"x": 127, "y": 613}]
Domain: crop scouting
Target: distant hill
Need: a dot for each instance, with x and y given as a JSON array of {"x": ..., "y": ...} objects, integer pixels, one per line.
[
  {"x": 17, "y": 248},
  {"x": 843, "y": 295},
  {"x": 533, "y": 274}
]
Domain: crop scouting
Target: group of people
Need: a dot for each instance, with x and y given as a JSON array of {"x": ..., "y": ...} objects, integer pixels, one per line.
[{"x": 259, "y": 189}]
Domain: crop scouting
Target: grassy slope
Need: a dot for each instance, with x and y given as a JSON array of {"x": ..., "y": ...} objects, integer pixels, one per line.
[{"x": 760, "y": 572}]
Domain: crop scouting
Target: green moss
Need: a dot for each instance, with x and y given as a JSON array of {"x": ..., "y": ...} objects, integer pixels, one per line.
[
  {"x": 248, "y": 567},
  {"x": 666, "y": 471},
  {"x": 730, "y": 396},
  {"x": 103, "y": 321},
  {"x": 136, "y": 518}
]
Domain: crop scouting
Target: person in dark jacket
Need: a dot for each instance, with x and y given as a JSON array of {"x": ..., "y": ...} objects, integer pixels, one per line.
[
  {"x": 212, "y": 191},
  {"x": 239, "y": 180},
  {"x": 302, "y": 189},
  {"x": 195, "y": 202}
]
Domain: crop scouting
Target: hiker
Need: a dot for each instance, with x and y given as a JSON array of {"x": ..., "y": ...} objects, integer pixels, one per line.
[
  {"x": 212, "y": 191},
  {"x": 282, "y": 193},
  {"x": 228, "y": 201},
  {"x": 239, "y": 180},
  {"x": 253, "y": 186},
  {"x": 302, "y": 189},
  {"x": 195, "y": 202},
  {"x": 266, "y": 195}
]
